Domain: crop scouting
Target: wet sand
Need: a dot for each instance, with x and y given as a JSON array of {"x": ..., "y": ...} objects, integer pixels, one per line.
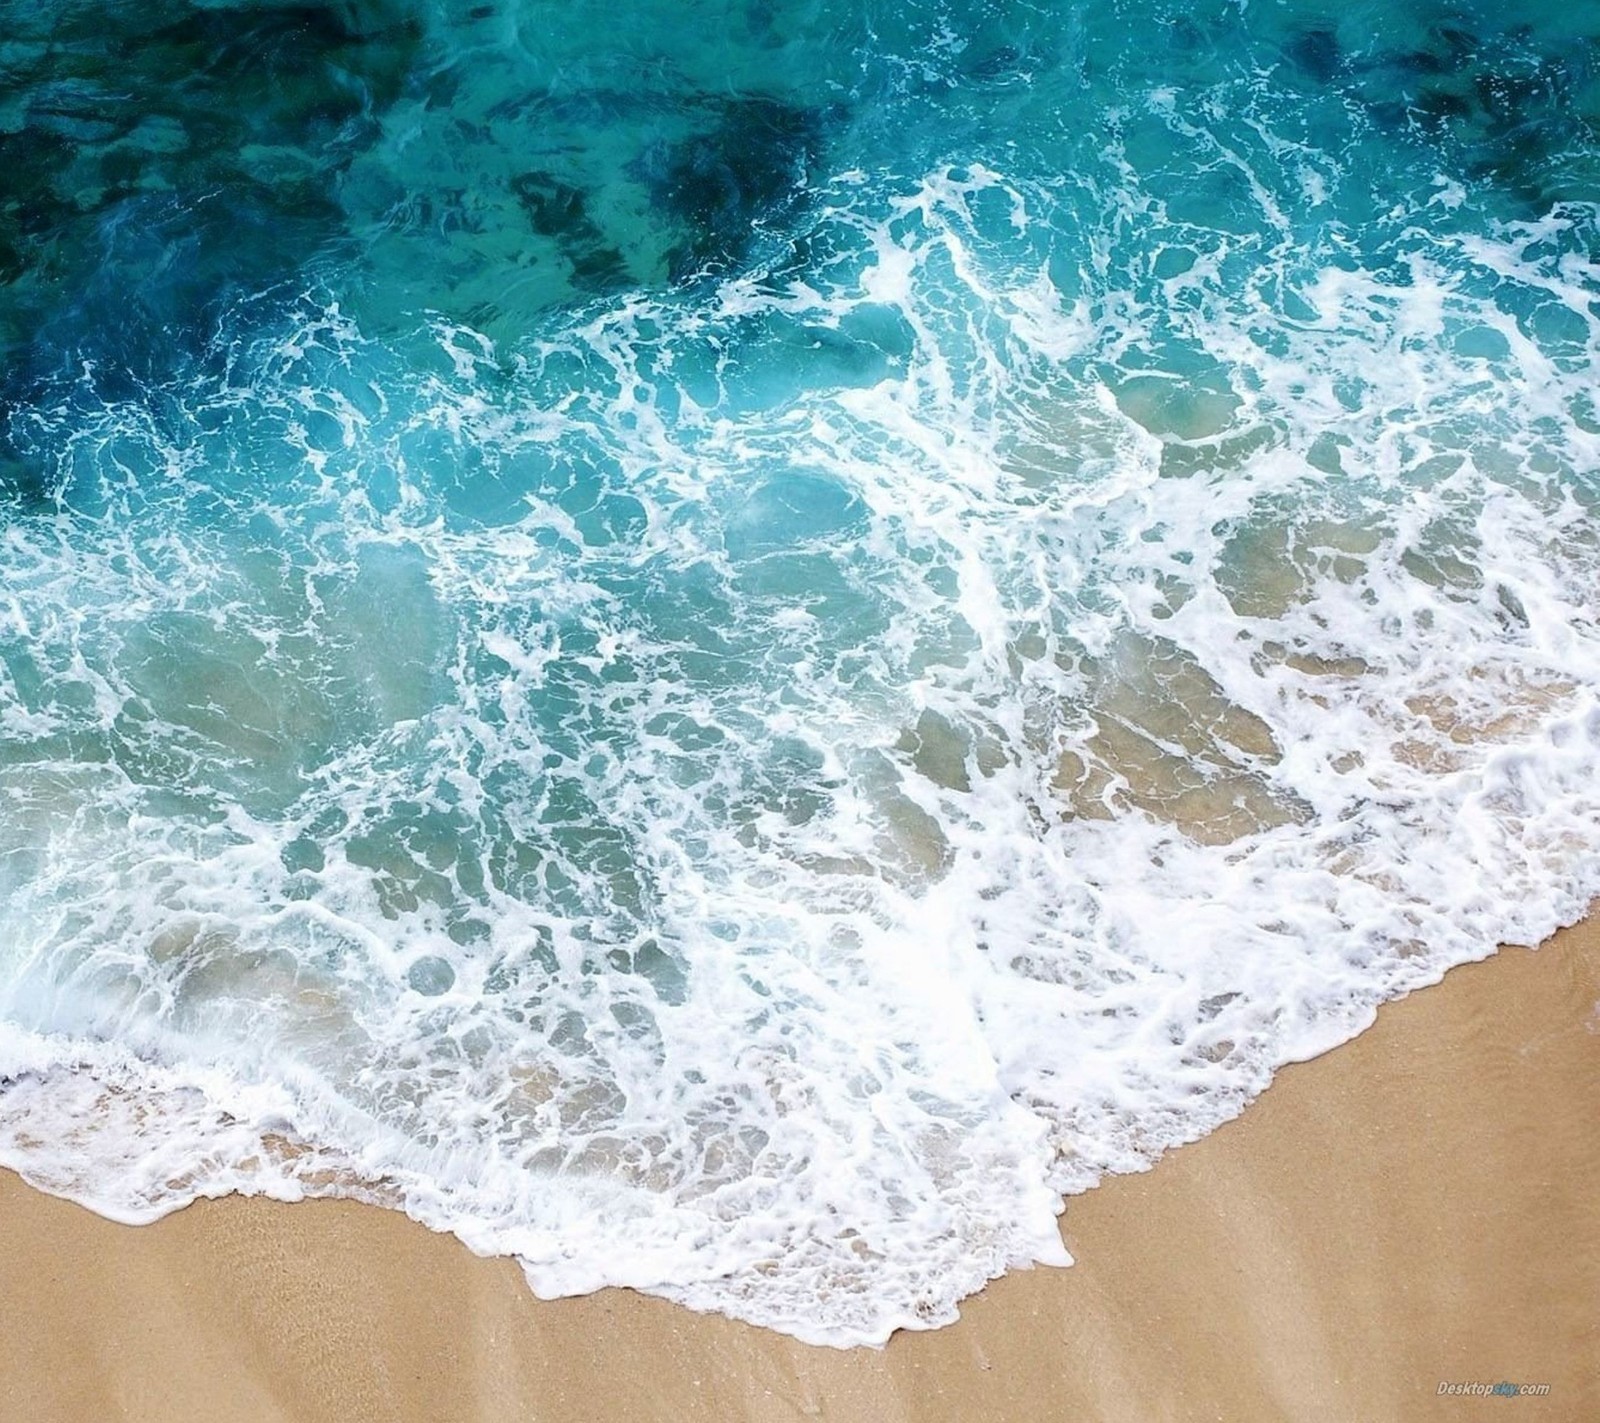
[{"x": 1421, "y": 1205}]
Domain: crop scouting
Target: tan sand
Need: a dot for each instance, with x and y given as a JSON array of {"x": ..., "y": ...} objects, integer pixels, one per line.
[{"x": 1421, "y": 1205}]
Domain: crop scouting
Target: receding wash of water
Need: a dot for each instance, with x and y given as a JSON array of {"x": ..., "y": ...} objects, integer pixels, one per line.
[{"x": 726, "y": 646}]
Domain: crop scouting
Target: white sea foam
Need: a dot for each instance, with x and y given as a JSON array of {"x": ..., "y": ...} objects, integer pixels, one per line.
[{"x": 699, "y": 805}]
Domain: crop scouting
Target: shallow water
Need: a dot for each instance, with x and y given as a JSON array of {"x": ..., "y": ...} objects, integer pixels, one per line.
[{"x": 725, "y": 647}]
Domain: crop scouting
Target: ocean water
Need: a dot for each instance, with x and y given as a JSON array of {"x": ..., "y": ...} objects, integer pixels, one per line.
[{"x": 727, "y": 645}]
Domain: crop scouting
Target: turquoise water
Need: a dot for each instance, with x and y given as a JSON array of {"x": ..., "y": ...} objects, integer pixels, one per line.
[{"x": 725, "y": 646}]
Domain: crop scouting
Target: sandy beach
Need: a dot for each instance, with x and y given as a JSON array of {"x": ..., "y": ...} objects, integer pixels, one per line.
[{"x": 1415, "y": 1208}]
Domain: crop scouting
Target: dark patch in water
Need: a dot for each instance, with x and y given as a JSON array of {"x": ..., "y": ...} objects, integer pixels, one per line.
[
  {"x": 1520, "y": 126},
  {"x": 1421, "y": 62},
  {"x": 1317, "y": 52},
  {"x": 162, "y": 161},
  {"x": 1003, "y": 65},
  {"x": 1507, "y": 112},
  {"x": 724, "y": 184},
  {"x": 560, "y": 212},
  {"x": 1441, "y": 105}
]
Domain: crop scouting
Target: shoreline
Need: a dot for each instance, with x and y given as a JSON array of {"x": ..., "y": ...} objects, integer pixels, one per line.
[{"x": 1413, "y": 1208}]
